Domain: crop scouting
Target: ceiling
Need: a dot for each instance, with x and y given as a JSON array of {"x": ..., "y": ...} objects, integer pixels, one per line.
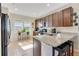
[{"x": 32, "y": 9}]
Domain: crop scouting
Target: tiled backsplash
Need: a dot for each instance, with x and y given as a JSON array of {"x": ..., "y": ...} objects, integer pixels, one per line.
[{"x": 73, "y": 29}]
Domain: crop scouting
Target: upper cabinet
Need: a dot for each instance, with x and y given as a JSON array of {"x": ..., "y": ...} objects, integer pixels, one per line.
[
  {"x": 50, "y": 17},
  {"x": 36, "y": 24},
  {"x": 55, "y": 19},
  {"x": 46, "y": 18},
  {"x": 63, "y": 18},
  {"x": 60, "y": 19},
  {"x": 68, "y": 16}
]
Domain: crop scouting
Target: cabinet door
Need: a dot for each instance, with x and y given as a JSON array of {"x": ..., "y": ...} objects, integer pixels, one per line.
[
  {"x": 68, "y": 17},
  {"x": 46, "y": 21},
  {"x": 36, "y": 48},
  {"x": 35, "y": 23},
  {"x": 46, "y": 50},
  {"x": 43, "y": 21},
  {"x": 55, "y": 19},
  {"x": 50, "y": 21},
  {"x": 60, "y": 19},
  {"x": 38, "y": 23}
]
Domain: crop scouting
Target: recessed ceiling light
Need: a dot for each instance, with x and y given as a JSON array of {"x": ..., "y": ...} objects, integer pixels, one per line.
[
  {"x": 48, "y": 5},
  {"x": 16, "y": 9}
]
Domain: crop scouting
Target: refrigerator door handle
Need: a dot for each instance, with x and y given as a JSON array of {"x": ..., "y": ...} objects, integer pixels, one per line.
[{"x": 10, "y": 29}]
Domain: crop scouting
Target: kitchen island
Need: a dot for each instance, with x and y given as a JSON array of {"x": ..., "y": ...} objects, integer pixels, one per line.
[{"x": 52, "y": 41}]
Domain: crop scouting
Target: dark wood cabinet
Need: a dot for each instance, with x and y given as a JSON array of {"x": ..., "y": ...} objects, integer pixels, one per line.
[
  {"x": 36, "y": 23},
  {"x": 60, "y": 19},
  {"x": 44, "y": 21},
  {"x": 55, "y": 19},
  {"x": 68, "y": 17},
  {"x": 63, "y": 18}
]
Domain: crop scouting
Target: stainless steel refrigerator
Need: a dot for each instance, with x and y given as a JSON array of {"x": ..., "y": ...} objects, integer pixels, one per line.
[{"x": 5, "y": 33}]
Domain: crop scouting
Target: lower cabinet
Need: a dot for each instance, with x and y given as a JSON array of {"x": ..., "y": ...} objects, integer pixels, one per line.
[
  {"x": 46, "y": 50},
  {"x": 42, "y": 49},
  {"x": 36, "y": 47}
]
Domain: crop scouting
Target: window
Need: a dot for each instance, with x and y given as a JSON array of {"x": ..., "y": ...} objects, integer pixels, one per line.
[
  {"x": 27, "y": 25},
  {"x": 18, "y": 25}
]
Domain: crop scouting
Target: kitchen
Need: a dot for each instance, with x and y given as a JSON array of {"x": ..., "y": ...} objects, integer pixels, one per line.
[
  {"x": 53, "y": 28},
  {"x": 59, "y": 24}
]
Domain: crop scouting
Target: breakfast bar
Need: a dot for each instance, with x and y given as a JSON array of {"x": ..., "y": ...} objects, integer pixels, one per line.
[{"x": 53, "y": 41}]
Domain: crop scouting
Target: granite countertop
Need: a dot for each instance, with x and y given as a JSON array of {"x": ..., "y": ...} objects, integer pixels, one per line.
[{"x": 55, "y": 40}]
